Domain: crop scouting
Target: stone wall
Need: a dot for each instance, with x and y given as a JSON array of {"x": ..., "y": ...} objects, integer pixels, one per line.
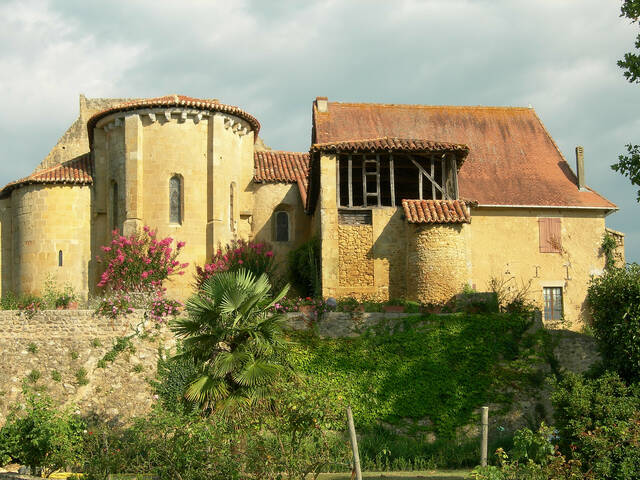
[
  {"x": 32, "y": 350},
  {"x": 437, "y": 266},
  {"x": 355, "y": 259}
]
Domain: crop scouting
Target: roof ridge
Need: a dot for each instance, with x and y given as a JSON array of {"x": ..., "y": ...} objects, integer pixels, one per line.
[{"x": 418, "y": 105}]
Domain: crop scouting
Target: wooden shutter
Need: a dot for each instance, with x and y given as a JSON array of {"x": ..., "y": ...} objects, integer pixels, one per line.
[{"x": 550, "y": 230}]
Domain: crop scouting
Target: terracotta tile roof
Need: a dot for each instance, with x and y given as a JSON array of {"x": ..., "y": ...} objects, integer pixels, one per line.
[
  {"x": 78, "y": 171},
  {"x": 283, "y": 167},
  {"x": 436, "y": 211},
  {"x": 176, "y": 101},
  {"x": 512, "y": 158},
  {"x": 393, "y": 144}
]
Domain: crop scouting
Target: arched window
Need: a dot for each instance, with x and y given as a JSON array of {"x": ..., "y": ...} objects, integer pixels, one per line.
[
  {"x": 175, "y": 199},
  {"x": 282, "y": 226},
  {"x": 60, "y": 258},
  {"x": 232, "y": 207},
  {"x": 114, "y": 205}
]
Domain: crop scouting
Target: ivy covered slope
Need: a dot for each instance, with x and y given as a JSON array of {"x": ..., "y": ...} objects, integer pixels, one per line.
[{"x": 434, "y": 368}]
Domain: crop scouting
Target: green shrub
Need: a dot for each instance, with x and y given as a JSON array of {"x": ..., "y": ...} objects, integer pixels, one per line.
[
  {"x": 614, "y": 300},
  {"x": 598, "y": 423},
  {"x": 165, "y": 446},
  {"x": 95, "y": 343},
  {"x": 55, "y": 376},
  {"x": 74, "y": 354},
  {"x": 174, "y": 375},
  {"x": 32, "y": 348},
  {"x": 41, "y": 436},
  {"x": 441, "y": 368},
  {"x": 9, "y": 301},
  {"x": 304, "y": 268},
  {"x": 33, "y": 376},
  {"x": 81, "y": 377}
]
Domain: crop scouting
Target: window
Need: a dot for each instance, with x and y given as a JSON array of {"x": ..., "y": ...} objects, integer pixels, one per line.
[
  {"x": 552, "y": 303},
  {"x": 114, "y": 205},
  {"x": 175, "y": 199},
  {"x": 550, "y": 230},
  {"x": 282, "y": 226},
  {"x": 232, "y": 207},
  {"x": 60, "y": 258}
]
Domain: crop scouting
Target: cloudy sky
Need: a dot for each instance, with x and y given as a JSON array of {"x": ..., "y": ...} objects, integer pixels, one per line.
[{"x": 273, "y": 58}]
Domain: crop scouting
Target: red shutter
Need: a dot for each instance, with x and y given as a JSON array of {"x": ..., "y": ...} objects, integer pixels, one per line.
[{"x": 550, "y": 230}]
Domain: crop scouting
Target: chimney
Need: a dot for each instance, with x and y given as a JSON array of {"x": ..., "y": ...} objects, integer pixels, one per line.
[
  {"x": 580, "y": 168},
  {"x": 323, "y": 104}
]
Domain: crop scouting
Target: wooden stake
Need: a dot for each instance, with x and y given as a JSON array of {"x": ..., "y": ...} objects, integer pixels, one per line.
[
  {"x": 354, "y": 444},
  {"x": 485, "y": 436}
]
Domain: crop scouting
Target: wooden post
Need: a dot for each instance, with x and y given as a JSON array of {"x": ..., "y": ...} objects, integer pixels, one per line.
[
  {"x": 445, "y": 194},
  {"x": 354, "y": 444},
  {"x": 392, "y": 180},
  {"x": 338, "y": 180},
  {"x": 349, "y": 179},
  {"x": 378, "y": 179},
  {"x": 485, "y": 436},
  {"x": 433, "y": 174},
  {"x": 364, "y": 179}
]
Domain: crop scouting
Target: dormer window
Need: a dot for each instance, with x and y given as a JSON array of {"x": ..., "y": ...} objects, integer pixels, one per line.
[{"x": 385, "y": 179}]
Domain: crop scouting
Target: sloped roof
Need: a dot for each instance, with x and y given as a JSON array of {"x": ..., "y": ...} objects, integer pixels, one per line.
[
  {"x": 78, "y": 171},
  {"x": 436, "y": 211},
  {"x": 175, "y": 101},
  {"x": 392, "y": 144},
  {"x": 282, "y": 167},
  {"x": 512, "y": 158}
]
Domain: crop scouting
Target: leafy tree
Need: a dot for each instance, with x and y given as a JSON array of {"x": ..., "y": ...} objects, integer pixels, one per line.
[
  {"x": 629, "y": 164},
  {"x": 235, "y": 339},
  {"x": 614, "y": 300}
]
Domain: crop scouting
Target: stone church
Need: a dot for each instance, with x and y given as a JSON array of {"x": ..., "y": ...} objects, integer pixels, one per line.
[{"x": 409, "y": 201}]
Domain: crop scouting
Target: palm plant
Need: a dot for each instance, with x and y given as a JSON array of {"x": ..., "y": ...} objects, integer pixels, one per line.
[{"x": 235, "y": 339}]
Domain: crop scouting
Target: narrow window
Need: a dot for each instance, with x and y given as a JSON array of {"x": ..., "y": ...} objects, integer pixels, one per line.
[
  {"x": 232, "y": 212},
  {"x": 282, "y": 226},
  {"x": 552, "y": 303},
  {"x": 114, "y": 205},
  {"x": 175, "y": 200},
  {"x": 60, "y": 258},
  {"x": 550, "y": 230}
]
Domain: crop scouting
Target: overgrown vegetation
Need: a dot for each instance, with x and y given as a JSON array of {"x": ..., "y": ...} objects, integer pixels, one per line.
[{"x": 304, "y": 268}]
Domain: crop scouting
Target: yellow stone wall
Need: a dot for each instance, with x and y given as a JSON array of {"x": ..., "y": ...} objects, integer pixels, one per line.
[
  {"x": 48, "y": 219},
  {"x": 505, "y": 245},
  {"x": 142, "y": 152},
  {"x": 269, "y": 197},
  {"x": 437, "y": 262},
  {"x": 355, "y": 256}
]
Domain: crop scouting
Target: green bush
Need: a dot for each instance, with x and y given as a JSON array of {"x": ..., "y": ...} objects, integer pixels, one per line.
[
  {"x": 174, "y": 375},
  {"x": 41, "y": 436},
  {"x": 614, "y": 300},
  {"x": 164, "y": 446},
  {"x": 304, "y": 268},
  {"x": 598, "y": 423},
  {"x": 441, "y": 368}
]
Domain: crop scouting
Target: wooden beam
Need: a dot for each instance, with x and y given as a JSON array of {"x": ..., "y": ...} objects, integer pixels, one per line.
[
  {"x": 364, "y": 180},
  {"x": 433, "y": 173},
  {"x": 350, "y": 178},
  {"x": 454, "y": 166},
  {"x": 445, "y": 196},
  {"x": 392, "y": 181},
  {"x": 424, "y": 172},
  {"x": 378, "y": 179},
  {"x": 338, "y": 180},
  {"x": 419, "y": 185}
]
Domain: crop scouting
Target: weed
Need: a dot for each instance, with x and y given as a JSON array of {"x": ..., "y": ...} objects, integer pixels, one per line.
[
  {"x": 95, "y": 343},
  {"x": 138, "y": 368},
  {"x": 55, "y": 375},
  {"x": 74, "y": 355},
  {"x": 81, "y": 377},
  {"x": 32, "y": 348},
  {"x": 33, "y": 376}
]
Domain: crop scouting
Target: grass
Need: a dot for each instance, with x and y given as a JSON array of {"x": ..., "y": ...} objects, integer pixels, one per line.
[{"x": 430, "y": 474}]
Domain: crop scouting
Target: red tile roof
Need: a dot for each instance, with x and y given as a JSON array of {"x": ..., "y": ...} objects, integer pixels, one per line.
[
  {"x": 512, "y": 158},
  {"x": 436, "y": 211},
  {"x": 78, "y": 171},
  {"x": 391, "y": 144},
  {"x": 283, "y": 167},
  {"x": 175, "y": 101}
]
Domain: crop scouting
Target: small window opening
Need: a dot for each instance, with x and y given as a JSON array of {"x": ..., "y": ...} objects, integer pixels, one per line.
[
  {"x": 282, "y": 226},
  {"x": 114, "y": 205},
  {"x": 553, "y": 303},
  {"x": 175, "y": 200},
  {"x": 60, "y": 258}
]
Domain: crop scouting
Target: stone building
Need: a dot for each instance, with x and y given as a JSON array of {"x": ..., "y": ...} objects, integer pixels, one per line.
[{"x": 408, "y": 201}]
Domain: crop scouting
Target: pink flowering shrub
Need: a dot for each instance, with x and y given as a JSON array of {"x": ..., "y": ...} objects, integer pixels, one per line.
[
  {"x": 136, "y": 267},
  {"x": 255, "y": 257}
]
